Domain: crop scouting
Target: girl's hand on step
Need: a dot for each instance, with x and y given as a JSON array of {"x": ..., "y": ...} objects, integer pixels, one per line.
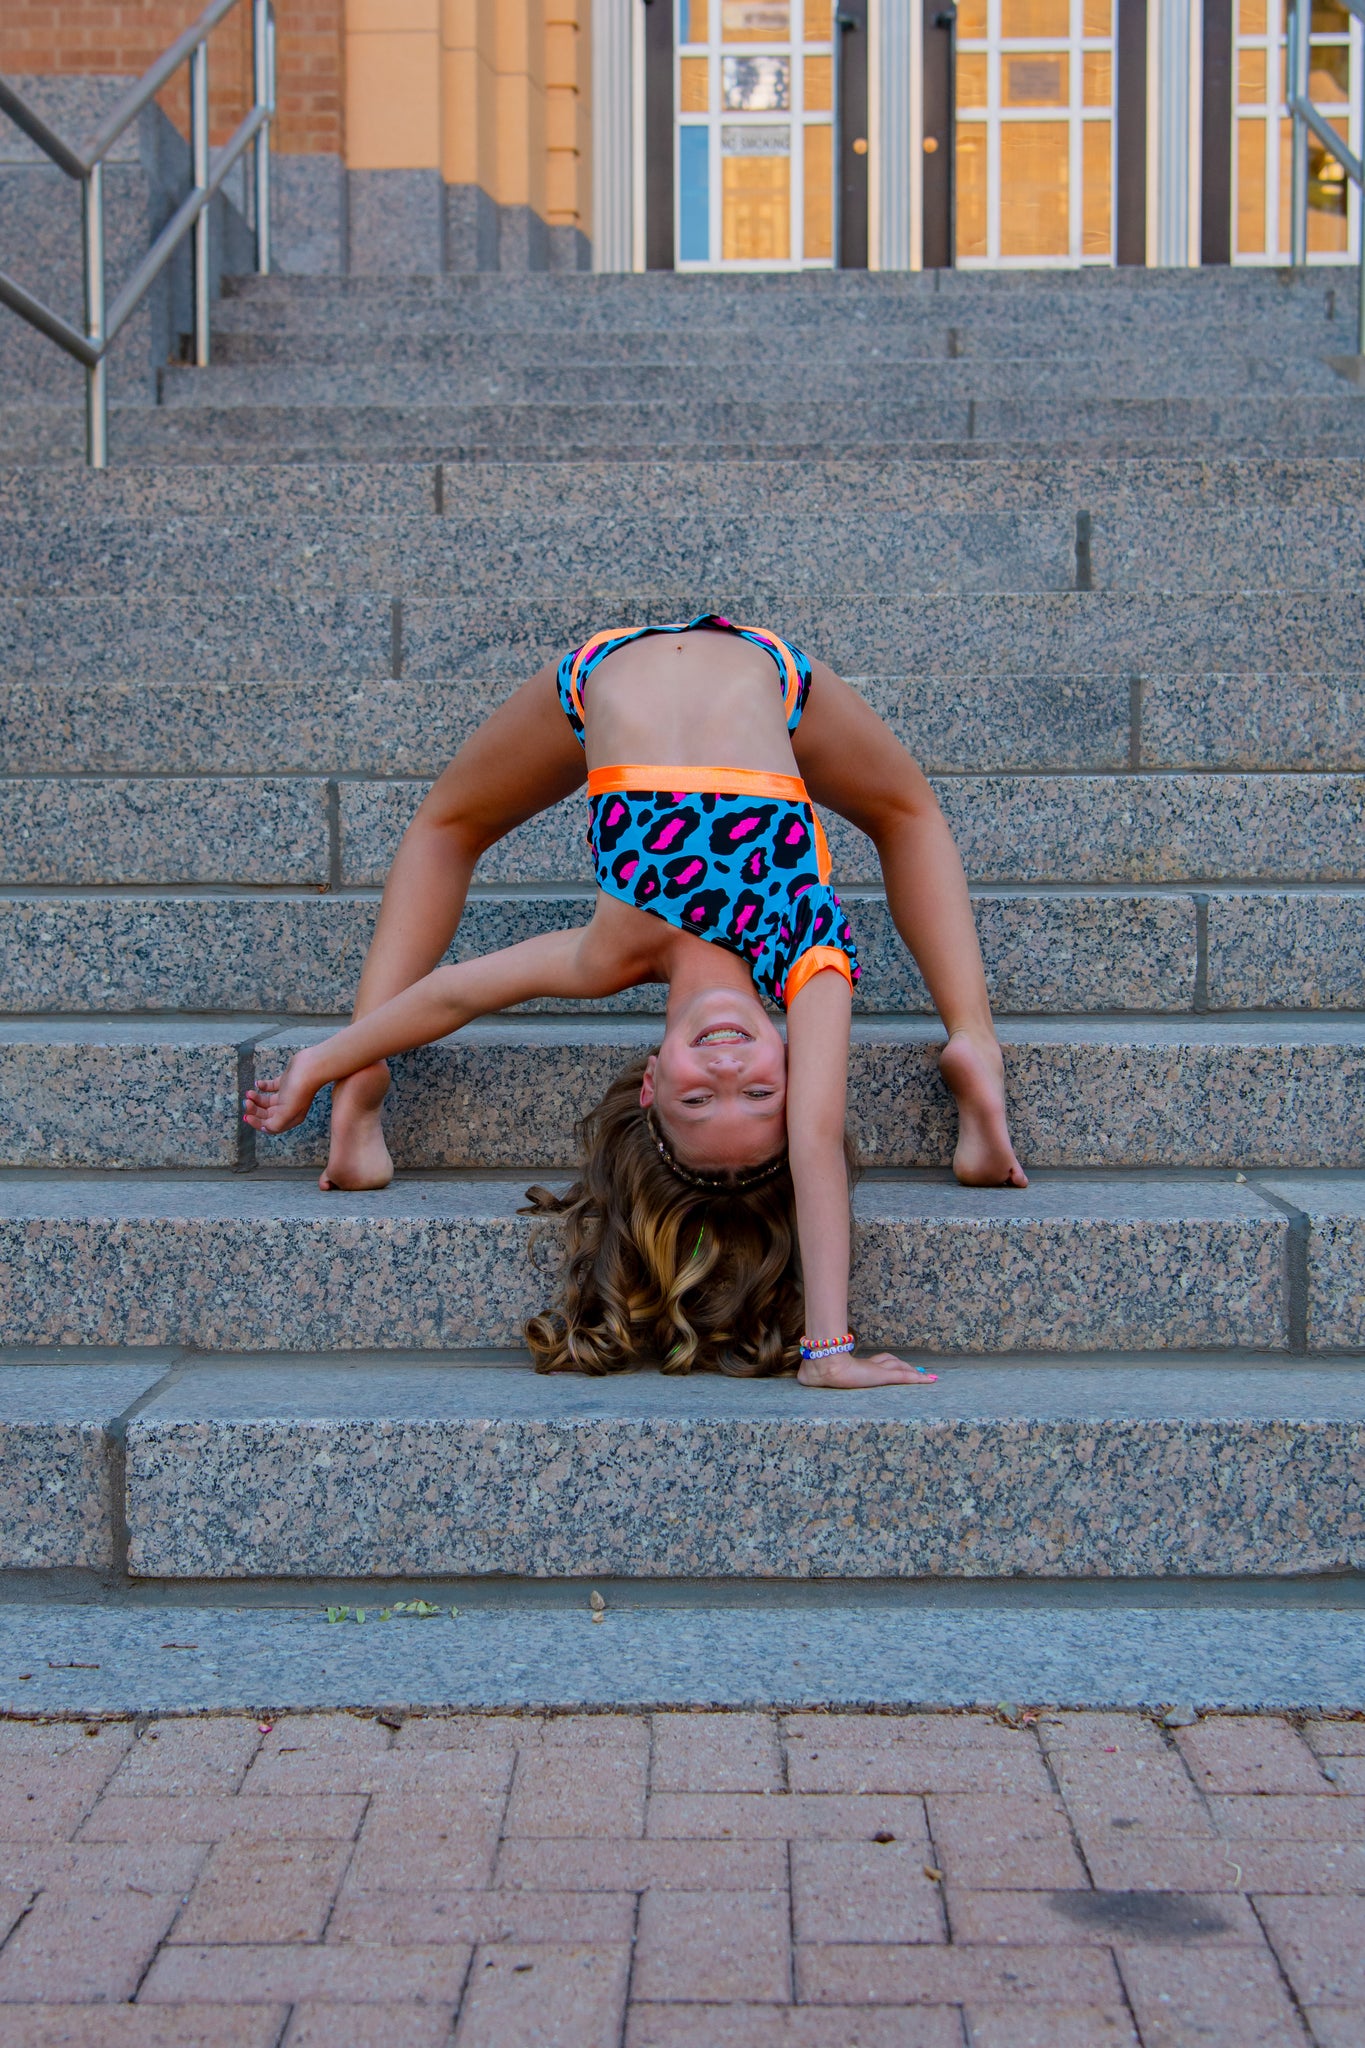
[
  {"x": 275, "y": 1106},
  {"x": 845, "y": 1369}
]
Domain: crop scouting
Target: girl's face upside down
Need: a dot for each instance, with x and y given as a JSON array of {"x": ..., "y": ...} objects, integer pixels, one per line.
[{"x": 718, "y": 1083}]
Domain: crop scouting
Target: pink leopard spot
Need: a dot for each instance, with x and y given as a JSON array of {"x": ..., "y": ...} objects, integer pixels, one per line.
[
  {"x": 690, "y": 873},
  {"x": 668, "y": 835},
  {"x": 742, "y": 827}
]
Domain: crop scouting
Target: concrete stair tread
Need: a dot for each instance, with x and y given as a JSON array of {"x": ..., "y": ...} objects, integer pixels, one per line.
[
  {"x": 1252, "y": 1093},
  {"x": 1258, "y": 721},
  {"x": 358, "y": 635},
  {"x": 1075, "y": 949},
  {"x": 315, "y": 1466},
  {"x": 1114, "y": 830},
  {"x": 1074, "y": 1263}
]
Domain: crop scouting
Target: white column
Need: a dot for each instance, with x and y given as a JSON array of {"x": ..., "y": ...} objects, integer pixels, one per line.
[
  {"x": 1174, "y": 83},
  {"x": 894, "y": 73},
  {"x": 613, "y": 137}
]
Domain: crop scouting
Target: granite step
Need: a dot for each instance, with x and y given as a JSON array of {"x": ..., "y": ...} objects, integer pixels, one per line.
[
  {"x": 1071, "y": 1265},
  {"x": 148, "y": 1094},
  {"x": 808, "y": 380},
  {"x": 1074, "y": 951},
  {"x": 987, "y": 429},
  {"x": 274, "y": 498},
  {"x": 1012, "y": 830},
  {"x": 368, "y": 636},
  {"x": 775, "y": 540},
  {"x": 963, "y": 723},
  {"x": 450, "y": 1467},
  {"x": 418, "y": 340}
]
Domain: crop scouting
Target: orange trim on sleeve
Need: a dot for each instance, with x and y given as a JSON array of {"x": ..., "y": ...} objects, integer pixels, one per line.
[
  {"x": 588, "y": 648},
  {"x": 789, "y": 669},
  {"x": 653, "y": 775},
  {"x": 816, "y": 960}
]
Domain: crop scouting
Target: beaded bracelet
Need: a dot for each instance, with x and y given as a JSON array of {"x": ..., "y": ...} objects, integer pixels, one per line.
[{"x": 826, "y": 1347}]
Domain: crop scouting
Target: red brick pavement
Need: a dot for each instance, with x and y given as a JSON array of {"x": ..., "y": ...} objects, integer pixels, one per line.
[{"x": 683, "y": 1881}]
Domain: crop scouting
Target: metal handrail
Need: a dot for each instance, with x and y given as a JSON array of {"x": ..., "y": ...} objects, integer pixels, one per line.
[
  {"x": 1307, "y": 120},
  {"x": 191, "y": 217}
]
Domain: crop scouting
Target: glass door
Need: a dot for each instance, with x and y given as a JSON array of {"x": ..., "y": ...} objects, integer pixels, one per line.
[
  {"x": 754, "y": 127},
  {"x": 1261, "y": 150},
  {"x": 1036, "y": 132}
]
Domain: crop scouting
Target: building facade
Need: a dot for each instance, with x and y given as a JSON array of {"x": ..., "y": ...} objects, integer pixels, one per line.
[{"x": 429, "y": 135}]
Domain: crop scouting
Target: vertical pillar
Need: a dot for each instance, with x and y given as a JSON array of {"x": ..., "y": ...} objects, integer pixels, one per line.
[
  {"x": 1174, "y": 72},
  {"x": 613, "y": 152},
  {"x": 892, "y": 243}
]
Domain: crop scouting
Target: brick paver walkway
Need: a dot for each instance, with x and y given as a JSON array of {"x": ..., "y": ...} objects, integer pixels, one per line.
[{"x": 683, "y": 1881}]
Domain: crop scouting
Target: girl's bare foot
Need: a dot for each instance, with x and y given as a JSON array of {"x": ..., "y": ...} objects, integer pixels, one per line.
[
  {"x": 847, "y": 1370},
  {"x": 975, "y": 1072},
  {"x": 275, "y": 1106},
  {"x": 358, "y": 1156}
]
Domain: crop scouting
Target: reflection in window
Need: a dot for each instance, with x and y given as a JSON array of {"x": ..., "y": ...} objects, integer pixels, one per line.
[
  {"x": 755, "y": 85},
  {"x": 1262, "y": 156},
  {"x": 756, "y": 194},
  {"x": 1035, "y": 174},
  {"x": 754, "y": 21}
]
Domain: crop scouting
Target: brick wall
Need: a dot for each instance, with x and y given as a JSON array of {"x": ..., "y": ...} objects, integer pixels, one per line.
[{"x": 125, "y": 36}]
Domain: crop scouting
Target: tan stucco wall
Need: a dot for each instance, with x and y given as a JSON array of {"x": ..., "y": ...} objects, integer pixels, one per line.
[{"x": 489, "y": 92}]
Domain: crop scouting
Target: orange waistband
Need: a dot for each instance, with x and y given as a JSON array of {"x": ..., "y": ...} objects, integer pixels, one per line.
[{"x": 697, "y": 781}]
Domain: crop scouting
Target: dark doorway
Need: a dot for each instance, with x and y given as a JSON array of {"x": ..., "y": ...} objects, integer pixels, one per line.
[
  {"x": 1215, "y": 211},
  {"x": 940, "y": 92},
  {"x": 1130, "y": 224},
  {"x": 850, "y": 26},
  {"x": 658, "y": 134}
]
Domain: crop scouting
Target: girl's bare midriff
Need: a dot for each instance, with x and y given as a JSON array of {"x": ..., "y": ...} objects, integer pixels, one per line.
[{"x": 702, "y": 699}]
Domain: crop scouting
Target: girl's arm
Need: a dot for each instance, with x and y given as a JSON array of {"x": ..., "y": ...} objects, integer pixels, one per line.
[
  {"x": 582, "y": 962},
  {"x": 817, "y": 1084}
]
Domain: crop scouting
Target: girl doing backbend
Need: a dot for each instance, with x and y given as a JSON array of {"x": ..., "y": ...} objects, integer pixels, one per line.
[{"x": 703, "y": 756}]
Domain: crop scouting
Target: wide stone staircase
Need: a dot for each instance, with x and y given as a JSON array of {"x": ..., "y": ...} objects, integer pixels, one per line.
[{"x": 1094, "y": 545}]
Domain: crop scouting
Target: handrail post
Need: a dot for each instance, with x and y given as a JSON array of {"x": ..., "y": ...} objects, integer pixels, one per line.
[
  {"x": 263, "y": 52},
  {"x": 199, "y": 160},
  {"x": 1296, "y": 65},
  {"x": 96, "y": 375}
]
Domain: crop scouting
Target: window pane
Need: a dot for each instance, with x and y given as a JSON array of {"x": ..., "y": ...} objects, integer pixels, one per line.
[
  {"x": 1251, "y": 17},
  {"x": 692, "y": 85},
  {"x": 971, "y": 79},
  {"x": 819, "y": 197},
  {"x": 819, "y": 87},
  {"x": 1251, "y": 188},
  {"x": 1034, "y": 188},
  {"x": 1026, "y": 19},
  {"x": 1096, "y": 175},
  {"x": 1326, "y": 196},
  {"x": 970, "y": 165},
  {"x": 694, "y": 196},
  {"x": 755, "y": 198},
  {"x": 819, "y": 20},
  {"x": 1330, "y": 18},
  {"x": 1329, "y": 73},
  {"x": 755, "y": 85},
  {"x": 755, "y": 21},
  {"x": 1251, "y": 78},
  {"x": 1097, "y": 18},
  {"x": 692, "y": 21},
  {"x": 1034, "y": 81},
  {"x": 1097, "y": 75},
  {"x": 971, "y": 21}
]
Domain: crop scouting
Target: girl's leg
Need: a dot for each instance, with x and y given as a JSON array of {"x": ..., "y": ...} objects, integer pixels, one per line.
[
  {"x": 522, "y": 759},
  {"x": 850, "y": 761}
]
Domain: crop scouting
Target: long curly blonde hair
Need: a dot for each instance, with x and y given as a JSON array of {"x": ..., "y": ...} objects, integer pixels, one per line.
[{"x": 656, "y": 1268}]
